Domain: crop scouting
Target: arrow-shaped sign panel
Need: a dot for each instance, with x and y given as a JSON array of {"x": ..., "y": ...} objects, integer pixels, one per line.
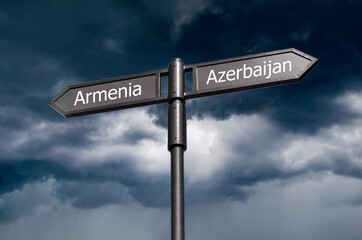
[
  {"x": 109, "y": 94},
  {"x": 248, "y": 72}
]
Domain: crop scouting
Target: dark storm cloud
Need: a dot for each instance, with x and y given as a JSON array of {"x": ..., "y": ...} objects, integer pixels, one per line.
[
  {"x": 116, "y": 183},
  {"x": 216, "y": 192},
  {"x": 91, "y": 194},
  {"x": 79, "y": 185},
  {"x": 238, "y": 182},
  {"x": 27, "y": 134},
  {"x": 243, "y": 175},
  {"x": 242, "y": 28},
  {"x": 22, "y": 203},
  {"x": 89, "y": 187},
  {"x": 46, "y": 46},
  {"x": 15, "y": 174},
  {"x": 133, "y": 136},
  {"x": 153, "y": 193},
  {"x": 344, "y": 166},
  {"x": 113, "y": 183},
  {"x": 28, "y": 77},
  {"x": 119, "y": 33}
]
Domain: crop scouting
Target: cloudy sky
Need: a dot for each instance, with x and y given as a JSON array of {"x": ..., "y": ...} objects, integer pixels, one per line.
[{"x": 274, "y": 163}]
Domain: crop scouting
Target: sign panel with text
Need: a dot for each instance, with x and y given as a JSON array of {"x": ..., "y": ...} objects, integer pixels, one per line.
[
  {"x": 248, "y": 72},
  {"x": 108, "y": 94}
]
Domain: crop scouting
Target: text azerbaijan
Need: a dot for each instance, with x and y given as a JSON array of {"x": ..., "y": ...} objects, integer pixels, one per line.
[{"x": 266, "y": 70}]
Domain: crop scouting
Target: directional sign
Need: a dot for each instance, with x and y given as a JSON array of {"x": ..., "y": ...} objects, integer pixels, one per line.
[
  {"x": 211, "y": 78},
  {"x": 109, "y": 94},
  {"x": 228, "y": 75},
  {"x": 254, "y": 71}
]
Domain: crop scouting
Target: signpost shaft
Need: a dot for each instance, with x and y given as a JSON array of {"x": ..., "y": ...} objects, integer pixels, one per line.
[{"x": 177, "y": 145}]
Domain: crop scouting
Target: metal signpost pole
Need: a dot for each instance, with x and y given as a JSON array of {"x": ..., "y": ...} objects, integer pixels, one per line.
[{"x": 177, "y": 145}]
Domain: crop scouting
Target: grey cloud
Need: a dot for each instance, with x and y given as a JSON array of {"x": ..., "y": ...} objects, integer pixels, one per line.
[
  {"x": 153, "y": 193},
  {"x": 15, "y": 174},
  {"x": 268, "y": 169},
  {"x": 28, "y": 134},
  {"x": 29, "y": 76},
  {"x": 280, "y": 212},
  {"x": 45, "y": 47},
  {"x": 302, "y": 35},
  {"x": 216, "y": 192},
  {"x": 357, "y": 201},
  {"x": 180, "y": 13},
  {"x": 24, "y": 201},
  {"x": 92, "y": 194},
  {"x": 342, "y": 165},
  {"x": 89, "y": 187},
  {"x": 185, "y": 12},
  {"x": 257, "y": 157},
  {"x": 132, "y": 136}
]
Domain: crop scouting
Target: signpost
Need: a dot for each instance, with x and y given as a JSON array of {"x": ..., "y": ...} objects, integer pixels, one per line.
[{"x": 223, "y": 76}]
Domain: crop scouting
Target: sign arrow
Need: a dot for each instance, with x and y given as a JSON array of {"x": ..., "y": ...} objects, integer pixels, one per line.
[
  {"x": 249, "y": 72},
  {"x": 110, "y": 94}
]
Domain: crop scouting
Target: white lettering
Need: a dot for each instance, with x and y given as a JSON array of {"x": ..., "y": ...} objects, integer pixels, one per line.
[
  {"x": 290, "y": 65},
  {"x": 257, "y": 71},
  {"x": 129, "y": 88},
  {"x": 120, "y": 92},
  {"x": 222, "y": 75},
  {"x": 230, "y": 75},
  {"x": 108, "y": 95},
  {"x": 277, "y": 68},
  {"x": 79, "y": 98},
  {"x": 211, "y": 77},
  {"x": 112, "y": 93},
  {"x": 88, "y": 94},
  {"x": 238, "y": 72},
  {"x": 99, "y": 93},
  {"x": 247, "y": 69},
  {"x": 267, "y": 69},
  {"x": 137, "y": 90}
]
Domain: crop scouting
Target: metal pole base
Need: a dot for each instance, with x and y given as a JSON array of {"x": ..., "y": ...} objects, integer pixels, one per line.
[{"x": 177, "y": 193}]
